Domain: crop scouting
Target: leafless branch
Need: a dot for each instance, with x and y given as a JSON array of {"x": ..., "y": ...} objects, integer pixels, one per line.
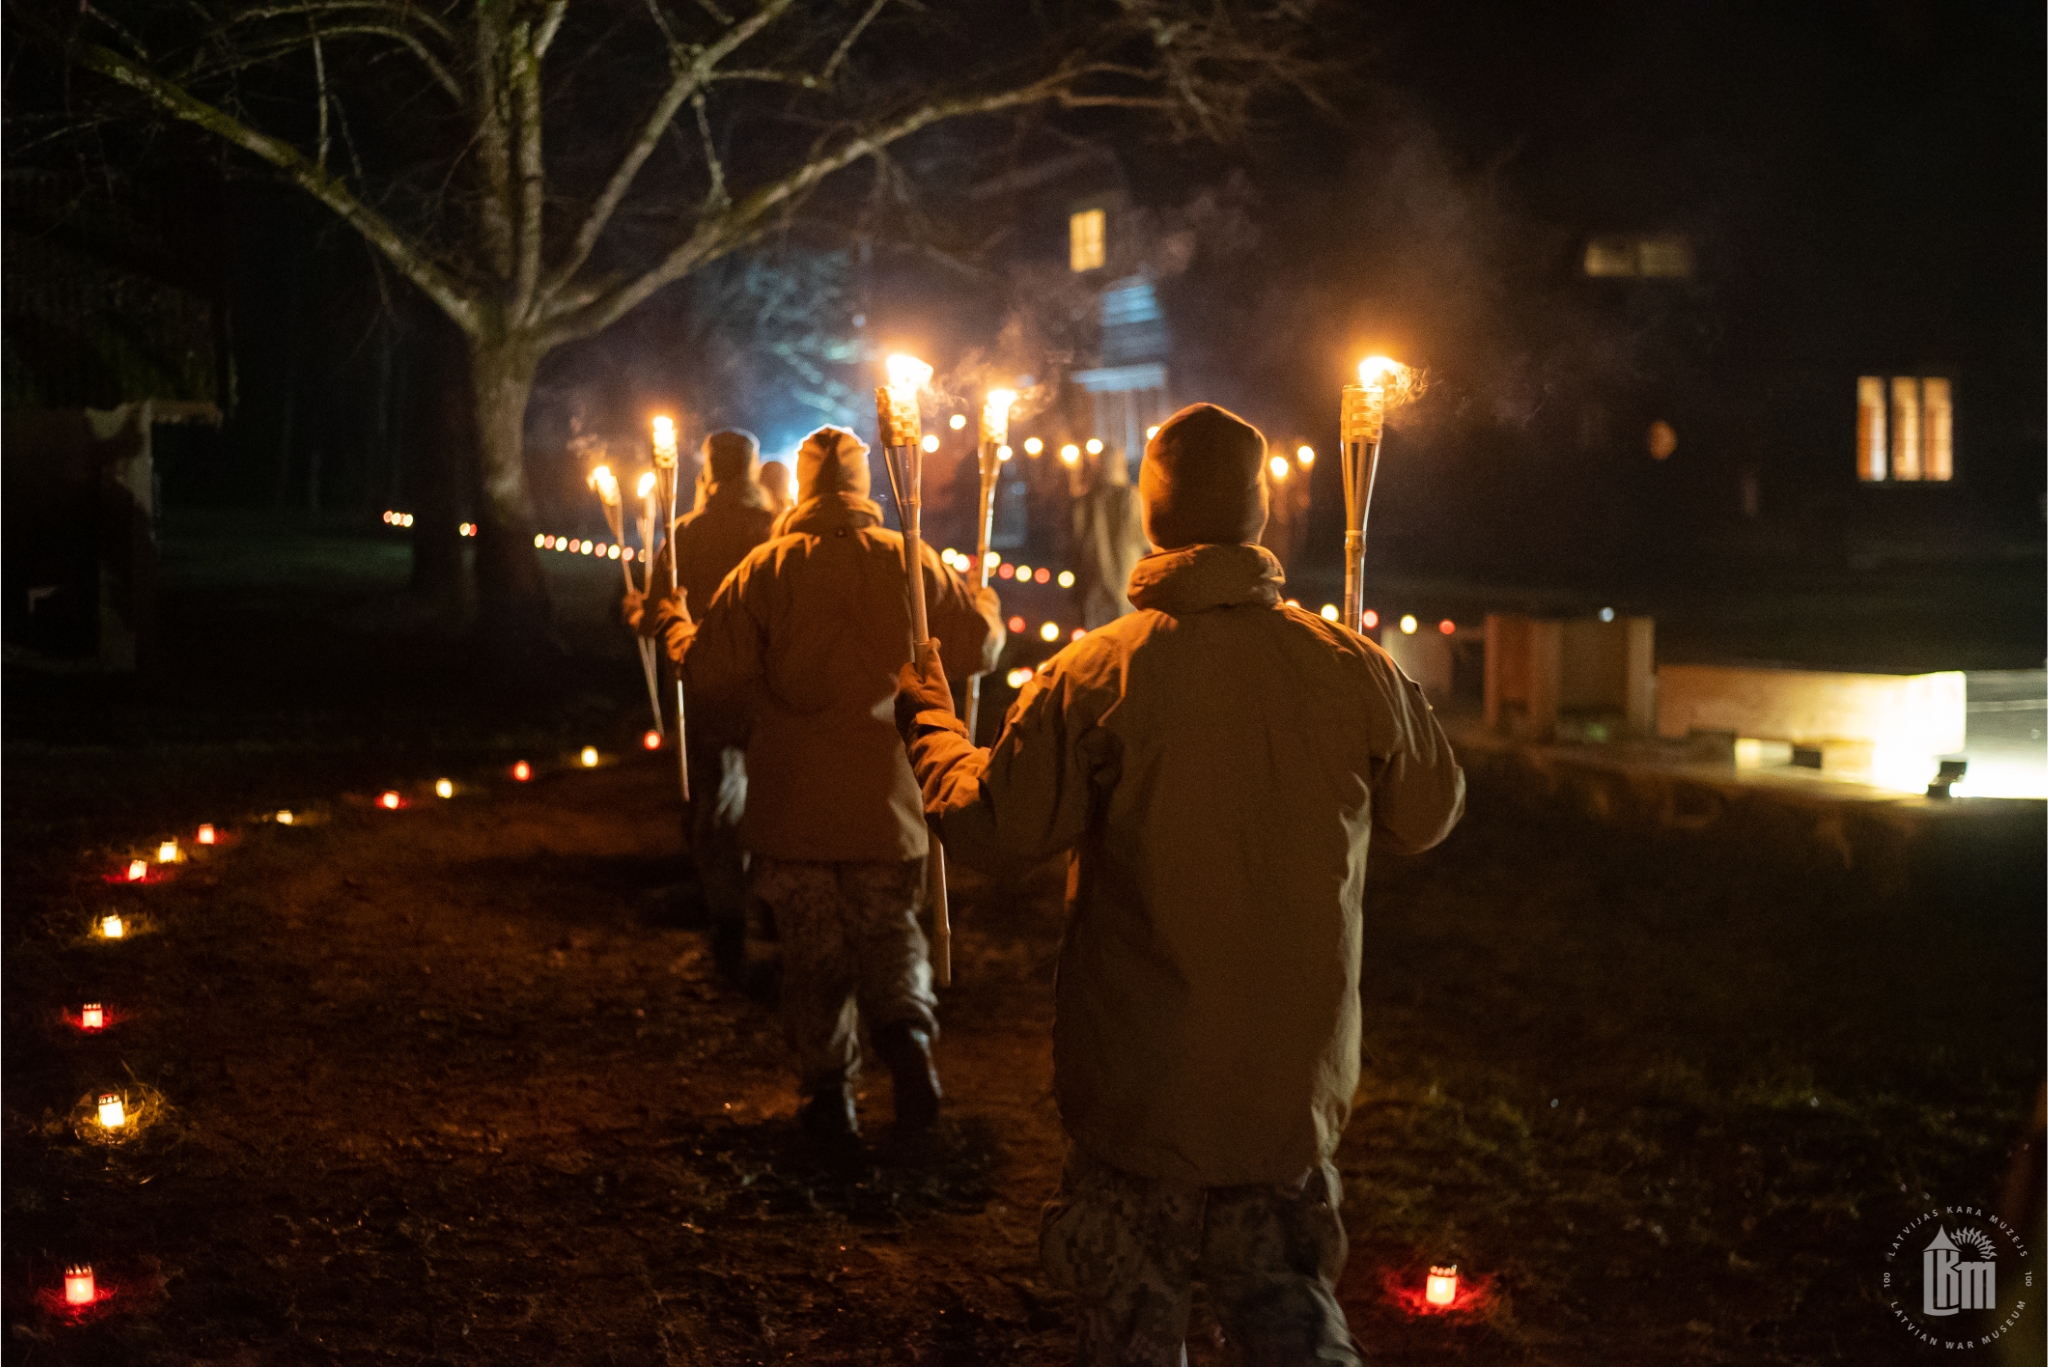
[{"x": 852, "y": 37}]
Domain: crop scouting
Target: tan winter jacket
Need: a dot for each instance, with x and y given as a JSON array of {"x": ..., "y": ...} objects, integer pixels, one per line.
[
  {"x": 814, "y": 626},
  {"x": 730, "y": 519},
  {"x": 1218, "y": 762}
]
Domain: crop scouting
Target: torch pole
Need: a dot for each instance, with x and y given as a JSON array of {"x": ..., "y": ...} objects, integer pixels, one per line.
[
  {"x": 665, "y": 466},
  {"x": 902, "y": 454},
  {"x": 647, "y": 665},
  {"x": 1361, "y": 425},
  {"x": 983, "y": 528}
]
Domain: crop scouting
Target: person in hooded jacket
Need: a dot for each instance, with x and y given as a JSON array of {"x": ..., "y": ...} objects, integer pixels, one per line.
[
  {"x": 731, "y": 516},
  {"x": 813, "y": 626},
  {"x": 1218, "y": 763}
]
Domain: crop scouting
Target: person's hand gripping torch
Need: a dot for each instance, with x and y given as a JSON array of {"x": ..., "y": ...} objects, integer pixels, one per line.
[
  {"x": 665, "y": 472},
  {"x": 900, "y": 432},
  {"x": 995, "y": 432},
  {"x": 606, "y": 487},
  {"x": 1361, "y": 423}
]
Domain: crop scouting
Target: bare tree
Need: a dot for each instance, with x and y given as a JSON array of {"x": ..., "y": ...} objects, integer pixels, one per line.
[{"x": 538, "y": 170}]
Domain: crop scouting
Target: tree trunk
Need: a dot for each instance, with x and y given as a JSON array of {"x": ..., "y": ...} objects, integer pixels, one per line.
[{"x": 511, "y": 595}]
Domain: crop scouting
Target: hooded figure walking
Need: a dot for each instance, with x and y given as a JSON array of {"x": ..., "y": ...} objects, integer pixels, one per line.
[
  {"x": 814, "y": 627},
  {"x": 1218, "y": 763},
  {"x": 731, "y": 516}
]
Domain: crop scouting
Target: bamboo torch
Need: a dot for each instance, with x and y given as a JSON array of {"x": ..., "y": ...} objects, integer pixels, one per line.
[
  {"x": 606, "y": 486},
  {"x": 995, "y": 432},
  {"x": 896, "y": 418},
  {"x": 646, "y": 524},
  {"x": 665, "y": 479},
  {"x": 1362, "y": 422}
]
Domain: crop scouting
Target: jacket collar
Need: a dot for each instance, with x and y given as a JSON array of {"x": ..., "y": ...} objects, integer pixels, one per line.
[
  {"x": 1197, "y": 578},
  {"x": 830, "y": 512},
  {"x": 742, "y": 493}
]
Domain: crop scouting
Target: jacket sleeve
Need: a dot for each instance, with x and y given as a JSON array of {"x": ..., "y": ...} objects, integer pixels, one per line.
[
  {"x": 1418, "y": 788},
  {"x": 1027, "y": 796},
  {"x": 970, "y": 638},
  {"x": 726, "y": 657}
]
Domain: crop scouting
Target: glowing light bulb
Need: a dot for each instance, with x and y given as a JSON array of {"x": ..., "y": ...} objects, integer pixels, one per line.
[
  {"x": 1306, "y": 455},
  {"x": 1278, "y": 467},
  {"x": 1607, "y": 614},
  {"x": 444, "y": 787},
  {"x": 113, "y": 1111},
  {"x": 1447, "y": 626},
  {"x": 112, "y": 927},
  {"x": 1371, "y": 619},
  {"x": 1329, "y": 612},
  {"x": 1023, "y": 574},
  {"x": 1094, "y": 446},
  {"x": 539, "y": 541},
  {"x": 206, "y": 836},
  {"x": 1017, "y": 678},
  {"x": 1032, "y": 446},
  {"x": 284, "y": 817},
  {"x": 92, "y": 1016},
  {"x": 1443, "y": 1285},
  {"x": 1070, "y": 454},
  {"x": 79, "y": 1288},
  {"x": 137, "y": 870},
  {"x": 1408, "y": 624},
  {"x": 957, "y": 421},
  {"x": 167, "y": 852},
  {"x": 1004, "y": 453},
  {"x": 589, "y": 756},
  {"x": 651, "y": 741},
  {"x": 522, "y": 771},
  {"x": 1041, "y": 575},
  {"x": 389, "y": 800},
  {"x": 1016, "y": 625},
  {"x": 1066, "y": 579},
  {"x": 930, "y": 443},
  {"x": 992, "y": 559},
  {"x": 1049, "y": 632},
  {"x": 611, "y": 552}
]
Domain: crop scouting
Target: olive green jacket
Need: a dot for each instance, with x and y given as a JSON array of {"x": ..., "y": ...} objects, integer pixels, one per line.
[{"x": 1218, "y": 763}]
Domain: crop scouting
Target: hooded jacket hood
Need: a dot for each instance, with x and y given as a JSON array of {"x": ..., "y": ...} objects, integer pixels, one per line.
[{"x": 1197, "y": 578}]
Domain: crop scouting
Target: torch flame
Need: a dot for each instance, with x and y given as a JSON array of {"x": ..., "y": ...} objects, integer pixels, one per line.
[
  {"x": 907, "y": 374},
  {"x": 664, "y": 442},
  {"x": 646, "y": 486},
  {"x": 1383, "y": 374},
  {"x": 995, "y": 415},
  {"x": 606, "y": 484}
]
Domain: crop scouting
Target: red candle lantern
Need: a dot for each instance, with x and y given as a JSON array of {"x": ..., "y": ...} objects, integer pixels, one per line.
[
  {"x": 138, "y": 869},
  {"x": 652, "y": 740},
  {"x": 522, "y": 771},
  {"x": 92, "y": 1016},
  {"x": 206, "y": 834},
  {"x": 390, "y": 801},
  {"x": 78, "y": 1285},
  {"x": 1443, "y": 1285}
]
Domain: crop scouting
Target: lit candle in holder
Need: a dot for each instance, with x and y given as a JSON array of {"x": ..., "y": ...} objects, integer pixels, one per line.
[
  {"x": 137, "y": 870},
  {"x": 206, "y": 836},
  {"x": 1443, "y": 1285},
  {"x": 113, "y": 1111},
  {"x": 522, "y": 771},
  {"x": 167, "y": 852},
  {"x": 284, "y": 818},
  {"x": 92, "y": 1016},
  {"x": 112, "y": 927},
  {"x": 651, "y": 740},
  {"x": 589, "y": 757},
  {"x": 389, "y": 800},
  {"x": 79, "y": 1289},
  {"x": 444, "y": 787}
]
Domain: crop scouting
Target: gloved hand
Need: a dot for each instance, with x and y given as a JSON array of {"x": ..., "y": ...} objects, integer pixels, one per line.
[
  {"x": 633, "y": 608},
  {"x": 668, "y": 621},
  {"x": 921, "y": 688}
]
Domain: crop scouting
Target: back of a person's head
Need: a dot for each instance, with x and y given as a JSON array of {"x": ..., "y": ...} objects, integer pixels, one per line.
[
  {"x": 729, "y": 456},
  {"x": 1200, "y": 480},
  {"x": 774, "y": 478},
  {"x": 832, "y": 460}
]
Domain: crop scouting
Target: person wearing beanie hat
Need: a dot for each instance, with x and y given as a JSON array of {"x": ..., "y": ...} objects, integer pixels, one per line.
[
  {"x": 732, "y": 516},
  {"x": 811, "y": 630},
  {"x": 1108, "y": 536},
  {"x": 1217, "y": 763}
]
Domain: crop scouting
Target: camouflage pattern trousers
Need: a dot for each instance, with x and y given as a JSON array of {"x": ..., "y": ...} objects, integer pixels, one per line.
[
  {"x": 851, "y": 949},
  {"x": 1131, "y": 1248}
]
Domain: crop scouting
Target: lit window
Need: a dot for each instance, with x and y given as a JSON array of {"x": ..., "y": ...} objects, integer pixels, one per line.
[
  {"x": 1085, "y": 251},
  {"x": 1905, "y": 429},
  {"x": 1668, "y": 256}
]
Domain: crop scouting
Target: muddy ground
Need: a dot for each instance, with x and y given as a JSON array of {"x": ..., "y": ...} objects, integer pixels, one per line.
[{"x": 457, "y": 1083}]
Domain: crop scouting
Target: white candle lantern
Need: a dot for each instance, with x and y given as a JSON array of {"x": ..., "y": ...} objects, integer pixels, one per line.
[
  {"x": 113, "y": 1111},
  {"x": 1443, "y": 1285},
  {"x": 112, "y": 927},
  {"x": 79, "y": 1289}
]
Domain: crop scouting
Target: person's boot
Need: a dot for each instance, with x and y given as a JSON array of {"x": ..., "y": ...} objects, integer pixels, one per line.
[
  {"x": 827, "y": 1116},
  {"x": 907, "y": 1050},
  {"x": 729, "y": 949}
]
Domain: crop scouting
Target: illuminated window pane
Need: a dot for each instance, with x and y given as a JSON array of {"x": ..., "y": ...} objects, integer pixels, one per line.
[
  {"x": 1085, "y": 245},
  {"x": 1905, "y": 427},
  {"x": 1611, "y": 256},
  {"x": 1937, "y": 431},
  {"x": 1870, "y": 429},
  {"x": 1670, "y": 257}
]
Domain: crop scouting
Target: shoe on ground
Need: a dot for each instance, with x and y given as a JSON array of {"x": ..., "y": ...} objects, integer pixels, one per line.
[{"x": 907, "y": 1050}]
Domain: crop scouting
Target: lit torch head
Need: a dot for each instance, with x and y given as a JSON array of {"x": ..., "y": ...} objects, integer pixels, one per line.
[
  {"x": 896, "y": 402},
  {"x": 646, "y": 486},
  {"x": 995, "y": 416},
  {"x": 606, "y": 484},
  {"x": 665, "y": 443}
]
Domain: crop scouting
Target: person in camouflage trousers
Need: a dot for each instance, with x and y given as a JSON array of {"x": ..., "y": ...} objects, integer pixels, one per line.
[{"x": 1216, "y": 763}]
